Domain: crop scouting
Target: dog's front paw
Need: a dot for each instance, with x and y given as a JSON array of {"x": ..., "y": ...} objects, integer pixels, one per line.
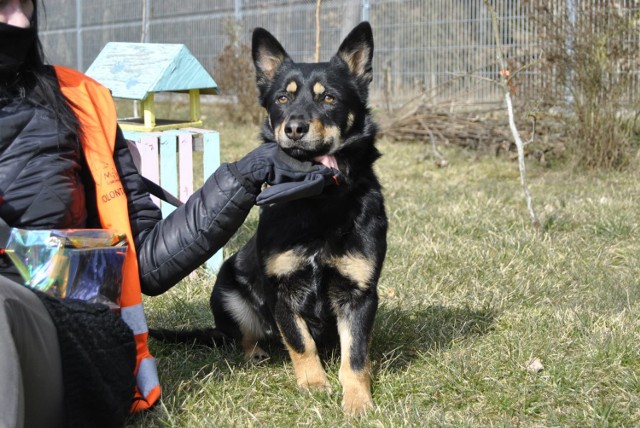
[
  {"x": 315, "y": 382},
  {"x": 356, "y": 401}
]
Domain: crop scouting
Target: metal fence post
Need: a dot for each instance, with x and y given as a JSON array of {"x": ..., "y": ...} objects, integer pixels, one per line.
[
  {"x": 572, "y": 11},
  {"x": 364, "y": 7},
  {"x": 238, "y": 9},
  {"x": 79, "y": 47},
  {"x": 146, "y": 21}
]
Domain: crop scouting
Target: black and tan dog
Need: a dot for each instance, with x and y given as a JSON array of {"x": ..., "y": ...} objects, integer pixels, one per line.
[{"x": 308, "y": 276}]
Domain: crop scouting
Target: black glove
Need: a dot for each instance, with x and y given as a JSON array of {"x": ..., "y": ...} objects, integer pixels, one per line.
[{"x": 288, "y": 178}]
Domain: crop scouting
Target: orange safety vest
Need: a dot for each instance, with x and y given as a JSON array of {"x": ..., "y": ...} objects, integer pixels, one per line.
[{"x": 93, "y": 105}]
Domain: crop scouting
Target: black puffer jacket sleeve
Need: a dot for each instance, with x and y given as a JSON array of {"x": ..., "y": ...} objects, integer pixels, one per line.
[{"x": 169, "y": 249}]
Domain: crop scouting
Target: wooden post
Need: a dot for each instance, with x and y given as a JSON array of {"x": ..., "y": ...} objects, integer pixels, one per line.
[
  {"x": 148, "y": 108},
  {"x": 194, "y": 104}
]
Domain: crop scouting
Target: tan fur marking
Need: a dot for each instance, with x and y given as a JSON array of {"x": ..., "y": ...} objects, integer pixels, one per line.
[
  {"x": 356, "y": 386},
  {"x": 316, "y": 130},
  {"x": 355, "y": 267},
  {"x": 279, "y": 132},
  {"x": 268, "y": 63},
  {"x": 351, "y": 118},
  {"x": 330, "y": 135},
  {"x": 284, "y": 263},
  {"x": 307, "y": 366},
  {"x": 332, "y": 132},
  {"x": 292, "y": 87},
  {"x": 252, "y": 351},
  {"x": 356, "y": 61},
  {"x": 319, "y": 88}
]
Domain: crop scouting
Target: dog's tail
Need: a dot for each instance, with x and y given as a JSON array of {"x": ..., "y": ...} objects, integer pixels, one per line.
[{"x": 205, "y": 336}]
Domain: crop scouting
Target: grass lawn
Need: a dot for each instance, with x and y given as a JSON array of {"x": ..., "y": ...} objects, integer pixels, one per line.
[{"x": 468, "y": 296}]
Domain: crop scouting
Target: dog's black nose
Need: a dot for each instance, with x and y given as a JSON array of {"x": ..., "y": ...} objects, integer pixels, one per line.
[{"x": 296, "y": 129}]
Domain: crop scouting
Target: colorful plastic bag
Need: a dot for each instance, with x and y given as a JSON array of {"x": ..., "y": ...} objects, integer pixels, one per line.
[{"x": 83, "y": 264}]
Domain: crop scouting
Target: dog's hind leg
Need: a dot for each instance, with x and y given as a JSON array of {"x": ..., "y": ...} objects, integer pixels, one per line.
[
  {"x": 241, "y": 318},
  {"x": 302, "y": 349},
  {"x": 354, "y": 327},
  {"x": 234, "y": 314}
]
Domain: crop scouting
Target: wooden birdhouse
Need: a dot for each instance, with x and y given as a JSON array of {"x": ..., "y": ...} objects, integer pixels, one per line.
[{"x": 139, "y": 71}]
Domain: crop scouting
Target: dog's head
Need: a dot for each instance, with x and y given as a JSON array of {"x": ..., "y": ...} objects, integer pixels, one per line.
[{"x": 313, "y": 108}]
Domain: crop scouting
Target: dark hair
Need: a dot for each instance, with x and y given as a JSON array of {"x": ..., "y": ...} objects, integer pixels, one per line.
[{"x": 38, "y": 84}]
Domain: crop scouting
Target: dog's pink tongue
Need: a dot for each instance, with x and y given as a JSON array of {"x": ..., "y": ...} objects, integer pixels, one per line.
[{"x": 327, "y": 160}]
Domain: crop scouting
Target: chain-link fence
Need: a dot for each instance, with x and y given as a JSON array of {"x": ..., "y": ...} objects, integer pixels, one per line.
[{"x": 443, "y": 47}]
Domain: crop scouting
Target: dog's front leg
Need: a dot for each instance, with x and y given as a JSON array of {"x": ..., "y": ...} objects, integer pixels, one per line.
[
  {"x": 302, "y": 349},
  {"x": 355, "y": 325}
]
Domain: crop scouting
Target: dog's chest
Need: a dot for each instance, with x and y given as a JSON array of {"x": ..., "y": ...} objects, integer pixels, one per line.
[
  {"x": 313, "y": 232},
  {"x": 322, "y": 242},
  {"x": 300, "y": 268},
  {"x": 319, "y": 259}
]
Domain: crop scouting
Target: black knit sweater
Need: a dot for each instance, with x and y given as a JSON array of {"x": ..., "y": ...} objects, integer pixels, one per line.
[{"x": 98, "y": 360}]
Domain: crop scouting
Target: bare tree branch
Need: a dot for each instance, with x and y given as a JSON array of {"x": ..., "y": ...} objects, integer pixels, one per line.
[{"x": 506, "y": 84}]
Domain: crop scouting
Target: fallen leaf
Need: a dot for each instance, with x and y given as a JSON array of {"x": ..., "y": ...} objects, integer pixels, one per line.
[{"x": 535, "y": 365}]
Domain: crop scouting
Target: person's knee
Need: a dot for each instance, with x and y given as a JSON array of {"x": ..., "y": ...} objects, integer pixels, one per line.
[
  {"x": 12, "y": 290},
  {"x": 30, "y": 331}
]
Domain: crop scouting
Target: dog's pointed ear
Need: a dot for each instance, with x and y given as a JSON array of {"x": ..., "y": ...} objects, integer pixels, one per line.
[
  {"x": 268, "y": 54},
  {"x": 357, "y": 52}
]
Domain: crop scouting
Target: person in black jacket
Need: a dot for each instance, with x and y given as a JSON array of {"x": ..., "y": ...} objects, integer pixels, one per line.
[{"x": 45, "y": 183}]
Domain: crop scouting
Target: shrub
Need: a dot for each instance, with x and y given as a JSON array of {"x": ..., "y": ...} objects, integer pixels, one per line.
[
  {"x": 592, "y": 53},
  {"x": 235, "y": 76}
]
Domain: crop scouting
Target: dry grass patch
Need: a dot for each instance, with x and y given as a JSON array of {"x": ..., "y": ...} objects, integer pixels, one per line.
[{"x": 470, "y": 293}]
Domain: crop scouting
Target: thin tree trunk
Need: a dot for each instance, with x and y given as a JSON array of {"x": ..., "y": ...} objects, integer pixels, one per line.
[{"x": 504, "y": 83}]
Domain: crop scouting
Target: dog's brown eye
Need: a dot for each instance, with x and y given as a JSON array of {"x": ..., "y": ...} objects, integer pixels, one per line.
[
  {"x": 282, "y": 99},
  {"x": 328, "y": 99}
]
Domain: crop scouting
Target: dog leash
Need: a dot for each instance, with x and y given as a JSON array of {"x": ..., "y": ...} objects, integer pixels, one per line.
[
  {"x": 153, "y": 188},
  {"x": 159, "y": 192}
]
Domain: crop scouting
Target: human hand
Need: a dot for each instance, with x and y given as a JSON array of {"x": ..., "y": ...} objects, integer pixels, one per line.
[{"x": 288, "y": 177}]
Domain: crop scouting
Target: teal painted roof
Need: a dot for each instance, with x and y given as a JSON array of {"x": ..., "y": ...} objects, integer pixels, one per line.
[{"x": 133, "y": 70}]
